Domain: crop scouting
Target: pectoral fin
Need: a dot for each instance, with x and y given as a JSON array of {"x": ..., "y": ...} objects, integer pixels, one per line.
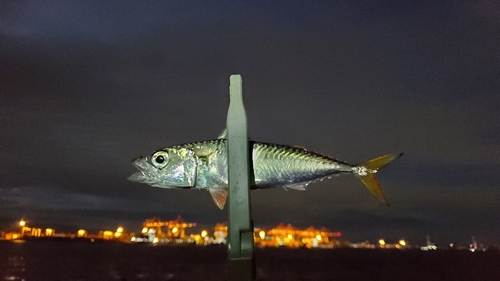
[{"x": 219, "y": 195}]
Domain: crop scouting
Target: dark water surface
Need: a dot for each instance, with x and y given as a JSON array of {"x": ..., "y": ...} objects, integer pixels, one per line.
[{"x": 85, "y": 261}]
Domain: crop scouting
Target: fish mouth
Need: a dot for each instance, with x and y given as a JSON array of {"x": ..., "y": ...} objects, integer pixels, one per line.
[{"x": 141, "y": 163}]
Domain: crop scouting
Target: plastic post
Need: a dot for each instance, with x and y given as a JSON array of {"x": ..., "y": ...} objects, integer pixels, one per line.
[{"x": 240, "y": 228}]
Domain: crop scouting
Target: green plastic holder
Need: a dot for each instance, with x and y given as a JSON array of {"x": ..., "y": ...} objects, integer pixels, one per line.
[{"x": 240, "y": 229}]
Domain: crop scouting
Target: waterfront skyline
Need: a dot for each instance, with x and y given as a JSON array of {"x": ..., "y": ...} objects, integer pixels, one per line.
[
  {"x": 175, "y": 231},
  {"x": 87, "y": 86}
]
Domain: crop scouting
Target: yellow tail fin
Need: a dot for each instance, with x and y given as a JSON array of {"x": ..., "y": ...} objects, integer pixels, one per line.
[{"x": 367, "y": 171}]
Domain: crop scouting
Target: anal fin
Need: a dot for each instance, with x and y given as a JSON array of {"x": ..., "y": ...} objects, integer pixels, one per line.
[{"x": 297, "y": 186}]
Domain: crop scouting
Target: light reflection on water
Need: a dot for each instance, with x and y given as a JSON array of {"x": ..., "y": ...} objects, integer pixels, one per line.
[
  {"x": 85, "y": 261},
  {"x": 15, "y": 269}
]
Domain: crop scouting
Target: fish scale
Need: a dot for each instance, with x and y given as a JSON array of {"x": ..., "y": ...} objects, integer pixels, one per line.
[{"x": 276, "y": 165}]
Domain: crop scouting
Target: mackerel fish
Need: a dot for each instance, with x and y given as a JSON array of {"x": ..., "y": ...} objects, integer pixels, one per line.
[{"x": 203, "y": 165}]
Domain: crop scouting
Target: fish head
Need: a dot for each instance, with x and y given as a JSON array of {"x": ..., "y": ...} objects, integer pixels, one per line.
[{"x": 167, "y": 168}]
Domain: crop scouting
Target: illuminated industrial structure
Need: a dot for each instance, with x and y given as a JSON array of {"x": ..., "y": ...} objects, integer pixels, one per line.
[
  {"x": 288, "y": 236},
  {"x": 26, "y": 231},
  {"x": 155, "y": 229},
  {"x": 220, "y": 233},
  {"x": 174, "y": 231}
]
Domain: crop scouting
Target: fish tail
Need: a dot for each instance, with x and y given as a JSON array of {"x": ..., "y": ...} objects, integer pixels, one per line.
[{"x": 367, "y": 172}]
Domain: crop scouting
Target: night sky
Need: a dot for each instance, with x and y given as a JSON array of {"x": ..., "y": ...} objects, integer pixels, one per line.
[{"x": 87, "y": 86}]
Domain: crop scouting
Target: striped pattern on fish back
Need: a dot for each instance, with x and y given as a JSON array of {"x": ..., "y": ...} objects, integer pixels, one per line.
[{"x": 285, "y": 165}]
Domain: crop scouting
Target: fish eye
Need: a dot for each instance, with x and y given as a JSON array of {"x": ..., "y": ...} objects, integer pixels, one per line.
[{"x": 160, "y": 159}]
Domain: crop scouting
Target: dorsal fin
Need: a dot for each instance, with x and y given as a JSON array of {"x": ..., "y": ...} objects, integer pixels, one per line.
[
  {"x": 223, "y": 134},
  {"x": 219, "y": 195}
]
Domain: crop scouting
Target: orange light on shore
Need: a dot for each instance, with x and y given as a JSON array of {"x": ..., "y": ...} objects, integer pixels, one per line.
[
  {"x": 119, "y": 232},
  {"x": 107, "y": 234},
  {"x": 22, "y": 223},
  {"x": 82, "y": 232},
  {"x": 381, "y": 242}
]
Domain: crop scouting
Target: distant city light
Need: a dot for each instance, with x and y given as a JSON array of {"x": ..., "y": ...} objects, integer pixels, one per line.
[
  {"x": 107, "y": 234},
  {"x": 119, "y": 232},
  {"x": 282, "y": 235},
  {"x": 81, "y": 232}
]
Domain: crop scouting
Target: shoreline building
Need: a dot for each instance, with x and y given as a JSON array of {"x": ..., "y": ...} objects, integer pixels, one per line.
[
  {"x": 289, "y": 236},
  {"x": 156, "y": 230}
]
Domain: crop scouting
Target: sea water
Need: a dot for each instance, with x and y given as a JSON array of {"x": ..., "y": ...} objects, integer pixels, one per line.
[{"x": 40, "y": 260}]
